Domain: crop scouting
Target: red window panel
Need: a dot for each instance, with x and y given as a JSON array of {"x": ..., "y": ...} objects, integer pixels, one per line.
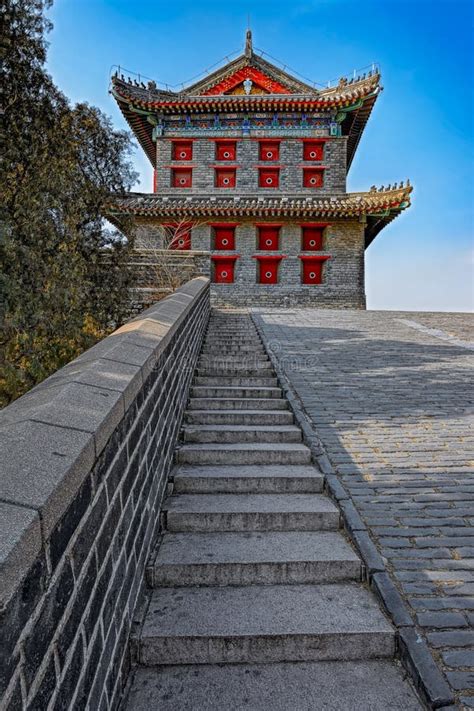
[
  {"x": 269, "y": 150},
  {"x": 269, "y": 177},
  {"x": 268, "y": 268},
  {"x": 224, "y": 268},
  {"x": 225, "y": 177},
  {"x": 312, "y": 269},
  {"x": 182, "y": 150},
  {"x": 182, "y": 178},
  {"x": 268, "y": 237},
  {"x": 313, "y": 177},
  {"x": 224, "y": 236},
  {"x": 180, "y": 236},
  {"x": 313, "y": 150},
  {"x": 312, "y": 236},
  {"x": 226, "y": 150}
]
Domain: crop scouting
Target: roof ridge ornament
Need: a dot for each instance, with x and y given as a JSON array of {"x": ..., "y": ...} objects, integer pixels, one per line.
[{"x": 248, "y": 44}]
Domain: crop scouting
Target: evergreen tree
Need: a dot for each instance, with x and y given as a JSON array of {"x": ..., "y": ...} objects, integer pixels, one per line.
[{"x": 64, "y": 276}]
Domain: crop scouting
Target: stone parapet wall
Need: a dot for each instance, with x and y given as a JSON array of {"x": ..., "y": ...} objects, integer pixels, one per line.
[{"x": 85, "y": 458}]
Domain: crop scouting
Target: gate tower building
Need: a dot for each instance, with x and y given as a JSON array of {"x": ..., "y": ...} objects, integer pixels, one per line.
[{"x": 250, "y": 163}]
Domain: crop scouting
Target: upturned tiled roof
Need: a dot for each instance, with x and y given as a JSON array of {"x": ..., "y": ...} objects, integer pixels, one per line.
[
  {"x": 150, "y": 98},
  {"x": 138, "y": 101},
  {"x": 380, "y": 206}
]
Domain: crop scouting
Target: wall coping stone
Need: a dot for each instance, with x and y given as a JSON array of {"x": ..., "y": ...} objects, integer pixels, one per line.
[{"x": 51, "y": 437}]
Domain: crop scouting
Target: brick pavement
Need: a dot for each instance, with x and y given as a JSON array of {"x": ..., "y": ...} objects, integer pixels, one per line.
[{"x": 390, "y": 397}]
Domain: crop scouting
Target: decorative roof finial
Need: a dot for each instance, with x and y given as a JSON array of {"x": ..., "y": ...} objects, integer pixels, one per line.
[{"x": 248, "y": 44}]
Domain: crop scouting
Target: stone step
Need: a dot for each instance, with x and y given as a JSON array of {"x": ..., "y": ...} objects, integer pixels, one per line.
[
  {"x": 224, "y": 325},
  {"x": 248, "y": 479},
  {"x": 228, "y": 341},
  {"x": 185, "y": 559},
  {"x": 234, "y": 392},
  {"x": 251, "y": 453},
  {"x": 210, "y": 403},
  {"x": 233, "y": 340},
  {"x": 231, "y": 361},
  {"x": 377, "y": 685},
  {"x": 264, "y": 623},
  {"x": 235, "y": 371},
  {"x": 232, "y": 349},
  {"x": 250, "y": 512},
  {"x": 229, "y": 434},
  {"x": 239, "y": 417},
  {"x": 236, "y": 381},
  {"x": 223, "y": 331},
  {"x": 218, "y": 358},
  {"x": 232, "y": 336},
  {"x": 232, "y": 364},
  {"x": 237, "y": 353}
]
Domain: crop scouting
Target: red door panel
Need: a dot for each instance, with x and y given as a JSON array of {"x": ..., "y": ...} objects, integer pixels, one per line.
[
  {"x": 269, "y": 150},
  {"x": 224, "y": 268},
  {"x": 225, "y": 177},
  {"x": 181, "y": 238},
  {"x": 182, "y": 150},
  {"x": 224, "y": 237},
  {"x": 313, "y": 150},
  {"x": 268, "y": 268},
  {"x": 312, "y": 238},
  {"x": 313, "y": 177},
  {"x": 312, "y": 269},
  {"x": 226, "y": 151},
  {"x": 268, "y": 237},
  {"x": 182, "y": 178},
  {"x": 269, "y": 177}
]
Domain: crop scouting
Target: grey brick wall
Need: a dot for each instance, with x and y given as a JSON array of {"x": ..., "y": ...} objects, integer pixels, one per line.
[
  {"x": 291, "y": 173},
  {"x": 343, "y": 274},
  {"x": 86, "y": 456}
]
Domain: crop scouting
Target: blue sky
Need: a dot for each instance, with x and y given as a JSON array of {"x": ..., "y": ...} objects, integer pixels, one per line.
[{"x": 421, "y": 128}]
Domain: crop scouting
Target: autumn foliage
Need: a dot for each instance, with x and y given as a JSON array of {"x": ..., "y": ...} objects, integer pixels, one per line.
[{"x": 64, "y": 276}]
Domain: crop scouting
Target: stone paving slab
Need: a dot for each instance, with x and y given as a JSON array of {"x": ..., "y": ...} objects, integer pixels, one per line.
[{"x": 390, "y": 398}]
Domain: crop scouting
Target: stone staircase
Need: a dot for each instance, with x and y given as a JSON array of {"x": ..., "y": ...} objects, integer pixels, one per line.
[{"x": 257, "y": 600}]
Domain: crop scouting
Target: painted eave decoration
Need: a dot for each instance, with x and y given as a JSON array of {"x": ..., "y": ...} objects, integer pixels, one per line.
[
  {"x": 247, "y": 84},
  {"x": 378, "y": 206}
]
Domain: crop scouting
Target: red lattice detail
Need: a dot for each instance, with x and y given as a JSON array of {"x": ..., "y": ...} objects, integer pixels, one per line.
[{"x": 258, "y": 77}]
